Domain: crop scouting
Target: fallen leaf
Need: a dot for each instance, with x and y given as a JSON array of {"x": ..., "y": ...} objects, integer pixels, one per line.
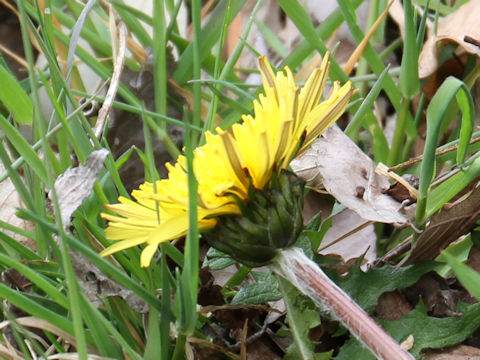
[
  {"x": 9, "y": 203},
  {"x": 336, "y": 163},
  {"x": 446, "y": 226},
  {"x": 460, "y": 27},
  {"x": 460, "y": 352},
  {"x": 353, "y": 243},
  {"x": 439, "y": 296},
  {"x": 392, "y": 305},
  {"x": 397, "y": 15},
  {"x": 72, "y": 187},
  {"x": 75, "y": 184}
]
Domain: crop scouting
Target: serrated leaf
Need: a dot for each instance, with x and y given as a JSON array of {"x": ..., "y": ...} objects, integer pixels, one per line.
[
  {"x": 14, "y": 98},
  {"x": 427, "y": 332},
  {"x": 261, "y": 292},
  {"x": 304, "y": 242},
  {"x": 302, "y": 315},
  {"x": 310, "y": 237},
  {"x": 366, "y": 287},
  {"x": 217, "y": 260}
]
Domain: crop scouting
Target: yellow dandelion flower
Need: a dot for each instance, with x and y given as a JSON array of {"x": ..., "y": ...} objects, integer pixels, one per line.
[{"x": 286, "y": 120}]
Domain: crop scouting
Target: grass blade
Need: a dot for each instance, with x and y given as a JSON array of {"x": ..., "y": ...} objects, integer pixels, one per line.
[
  {"x": 15, "y": 99},
  {"x": 450, "y": 89}
]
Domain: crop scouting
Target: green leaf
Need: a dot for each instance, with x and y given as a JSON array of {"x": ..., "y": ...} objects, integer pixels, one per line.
[
  {"x": 465, "y": 274},
  {"x": 14, "y": 98},
  {"x": 217, "y": 260},
  {"x": 302, "y": 315},
  {"x": 444, "y": 192},
  {"x": 263, "y": 291},
  {"x": 428, "y": 332},
  {"x": 366, "y": 287},
  {"x": 292, "y": 353},
  {"x": 367, "y": 104},
  {"x": 409, "y": 82},
  {"x": 450, "y": 89}
]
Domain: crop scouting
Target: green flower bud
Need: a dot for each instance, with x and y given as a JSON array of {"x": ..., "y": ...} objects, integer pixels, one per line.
[{"x": 271, "y": 219}]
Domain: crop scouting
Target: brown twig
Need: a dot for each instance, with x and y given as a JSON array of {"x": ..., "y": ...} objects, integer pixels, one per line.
[
  {"x": 419, "y": 158},
  {"x": 115, "y": 81}
]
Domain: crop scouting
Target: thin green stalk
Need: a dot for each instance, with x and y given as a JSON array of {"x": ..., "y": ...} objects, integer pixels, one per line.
[
  {"x": 166, "y": 317},
  {"x": 179, "y": 352},
  {"x": 399, "y": 134},
  {"x": 197, "y": 61},
  {"x": 18, "y": 249},
  {"x": 162, "y": 134},
  {"x": 160, "y": 58},
  {"x": 189, "y": 280},
  {"x": 391, "y": 48},
  {"x": 409, "y": 82},
  {"x": 153, "y": 347}
]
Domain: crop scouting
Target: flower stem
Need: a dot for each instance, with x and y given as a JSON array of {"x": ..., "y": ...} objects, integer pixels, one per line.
[{"x": 305, "y": 275}]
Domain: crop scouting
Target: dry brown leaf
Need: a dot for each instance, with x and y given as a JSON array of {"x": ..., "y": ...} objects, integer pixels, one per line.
[
  {"x": 38, "y": 323},
  {"x": 75, "y": 184},
  {"x": 446, "y": 226},
  {"x": 460, "y": 352},
  {"x": 337, "y": 164},
  {"x": 72, "y": 187},
  {"x": 392, "y": 305},
  {"x": 359, "y": 243},
  {"x": 461, "y": 27},
  {"x": 9, "y": 203},
  {"x": 397, "y": 15}
]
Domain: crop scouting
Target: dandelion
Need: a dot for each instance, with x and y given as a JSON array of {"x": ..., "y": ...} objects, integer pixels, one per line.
[
  {"x": 249, "y": 204},
  {"x": 286, "y": 120}
]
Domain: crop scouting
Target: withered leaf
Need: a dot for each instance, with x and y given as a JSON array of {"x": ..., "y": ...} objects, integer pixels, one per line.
[
  {"x": 459, "y": 352},
  {"x": 460, "y": 27},
  {"x": 357, "y": 237},
  {"x": 446, "y": 226},
  {"x": 9, "y": 203},
  {"x": 76, "y": 184},
  {"x": 72, "y": 187},
  {"x": 336, "y": 163}
]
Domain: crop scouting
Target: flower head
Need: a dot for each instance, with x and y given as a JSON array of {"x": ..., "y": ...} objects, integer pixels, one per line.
[{"x": 286, "y": 120}]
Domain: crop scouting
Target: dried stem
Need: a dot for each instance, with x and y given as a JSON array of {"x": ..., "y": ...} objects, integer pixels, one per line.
[{"x": 305, "y": 275}]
